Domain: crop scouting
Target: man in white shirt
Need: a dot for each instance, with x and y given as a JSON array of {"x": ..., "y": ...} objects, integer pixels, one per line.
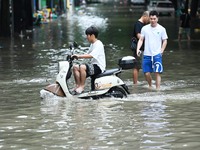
[
  {"x": 97, "y": 63},
  {"x": 155, "y": 43}
]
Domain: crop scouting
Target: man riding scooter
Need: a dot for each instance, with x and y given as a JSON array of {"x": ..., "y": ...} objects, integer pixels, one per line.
[
  {"x": 97, "y": 63},
  {"x": 104, "y": 83}
]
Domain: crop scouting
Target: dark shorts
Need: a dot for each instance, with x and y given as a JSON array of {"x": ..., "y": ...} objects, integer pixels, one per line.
[
  {"x": 138, "y": 64},
  {"x": 92, "y": 70},
  {"x": 184, "y": 30}
]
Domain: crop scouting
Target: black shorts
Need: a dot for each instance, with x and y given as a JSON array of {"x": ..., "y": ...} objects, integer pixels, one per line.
[
  {"x": 138, "y": 64},
  {"x": 92, "y": 70}
]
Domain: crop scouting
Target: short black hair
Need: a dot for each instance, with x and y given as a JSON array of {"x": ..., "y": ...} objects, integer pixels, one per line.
[
  {"x": 92, "y": 30},
  {"x": 153, "y": 13}
]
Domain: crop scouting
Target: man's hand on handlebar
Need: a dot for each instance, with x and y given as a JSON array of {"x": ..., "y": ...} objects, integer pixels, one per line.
[{"x": 74, "y": 57}]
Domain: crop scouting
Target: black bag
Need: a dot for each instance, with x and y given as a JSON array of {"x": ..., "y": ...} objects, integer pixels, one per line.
[
  {"x": 90, "y": 69},
  {"x": 134, "y": 43}
]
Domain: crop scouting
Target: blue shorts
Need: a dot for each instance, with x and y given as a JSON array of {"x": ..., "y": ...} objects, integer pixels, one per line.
[{"x": 152, "y": 63}]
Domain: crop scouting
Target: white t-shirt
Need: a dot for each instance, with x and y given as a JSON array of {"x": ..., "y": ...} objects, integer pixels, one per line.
[
  {"x": 97, "y": 51},
  {"x": 153, "y": 37}
]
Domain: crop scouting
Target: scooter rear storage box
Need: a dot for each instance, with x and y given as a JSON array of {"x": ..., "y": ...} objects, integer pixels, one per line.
[{"x": 127, "y": 62}]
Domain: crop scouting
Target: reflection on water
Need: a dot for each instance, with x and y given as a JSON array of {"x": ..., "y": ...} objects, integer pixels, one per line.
[{"x": 146, "y": 119}]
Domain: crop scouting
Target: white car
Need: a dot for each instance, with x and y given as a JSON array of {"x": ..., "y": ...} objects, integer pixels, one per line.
[
  {"x": 137, "y": 2},
  {"x": 162, "y": 7}
]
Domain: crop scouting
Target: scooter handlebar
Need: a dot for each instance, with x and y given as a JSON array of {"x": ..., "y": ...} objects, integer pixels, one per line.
[
  {"x": 70, "y": 58},
  {"x": 74, "y": 57}
]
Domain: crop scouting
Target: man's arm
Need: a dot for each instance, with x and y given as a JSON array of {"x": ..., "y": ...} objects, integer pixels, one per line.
[
  {"x": 83, "y": 56},
  {"x": 164, "y": 44},
  {"x": 139, "y": 44},
  {"x": 138, "y": 35}
]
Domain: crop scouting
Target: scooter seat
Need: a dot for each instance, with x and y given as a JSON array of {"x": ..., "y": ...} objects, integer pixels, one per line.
[
  {"x": 109, "y": 72},
  {"x": 105, "y": 73}
]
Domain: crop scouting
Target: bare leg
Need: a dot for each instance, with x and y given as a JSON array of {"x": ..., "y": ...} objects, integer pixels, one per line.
[
  {"x": 188, "y": 37},
  {"x": 148, "y": 78},
  {"x": 135, "y": 75},
  {"x": 82, "y": 78},
  {"x": 179, "y": 37},
  {"x": 158, "y": 80},
  {"x": 76, "y": 72}
]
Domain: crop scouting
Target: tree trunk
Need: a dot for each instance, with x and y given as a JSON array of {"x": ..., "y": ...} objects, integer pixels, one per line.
[
  {"x": 186, "y": 6},
  {"x": 4, "y": 18},
  {"x": 22, "y": 15}
]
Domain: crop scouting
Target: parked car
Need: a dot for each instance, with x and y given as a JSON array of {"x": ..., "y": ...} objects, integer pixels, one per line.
[
  {"x": 137, "y": 2},
  {"x": 162, "y": 7},
  {"x": 92, "y": 1}
]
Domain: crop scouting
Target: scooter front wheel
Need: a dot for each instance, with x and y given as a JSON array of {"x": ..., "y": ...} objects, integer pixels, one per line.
[{"x": 117, "y": 92}]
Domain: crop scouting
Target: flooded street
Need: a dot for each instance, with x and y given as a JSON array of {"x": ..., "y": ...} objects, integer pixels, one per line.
[{"x": 146, "y": 119}]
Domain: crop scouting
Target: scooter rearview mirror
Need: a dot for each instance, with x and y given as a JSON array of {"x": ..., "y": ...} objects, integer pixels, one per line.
[
  {"x": 70, "y": 46},
  {"x": 75, "y": 44}
]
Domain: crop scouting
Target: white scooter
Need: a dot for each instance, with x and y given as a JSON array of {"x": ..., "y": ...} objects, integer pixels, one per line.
[{"x": 106, "y": 84}]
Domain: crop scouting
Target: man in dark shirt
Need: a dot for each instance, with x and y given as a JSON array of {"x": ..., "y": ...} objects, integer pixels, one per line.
[
  {"x": 144, "y": 19},
  {"x": 184, "y": 25}
]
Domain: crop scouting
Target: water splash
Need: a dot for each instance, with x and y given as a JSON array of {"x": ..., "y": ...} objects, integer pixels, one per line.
[{"x": 24, "y": 81}]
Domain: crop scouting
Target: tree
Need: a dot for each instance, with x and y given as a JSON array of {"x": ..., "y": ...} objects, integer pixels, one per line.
[
  {"x": 4, "y": 18},
  {"x": 194, "y": 7},
  {"x": 23, "y": 18}
]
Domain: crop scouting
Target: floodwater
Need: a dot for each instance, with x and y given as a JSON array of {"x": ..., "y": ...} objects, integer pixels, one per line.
[{"x": 146, "y": 119}]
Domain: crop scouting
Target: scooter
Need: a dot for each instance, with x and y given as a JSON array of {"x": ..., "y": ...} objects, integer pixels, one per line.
[{"x": 106, "y": 84}]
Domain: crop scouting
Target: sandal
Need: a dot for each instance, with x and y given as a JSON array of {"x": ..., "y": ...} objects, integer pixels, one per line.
[{"x": 74, "y": 92}]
